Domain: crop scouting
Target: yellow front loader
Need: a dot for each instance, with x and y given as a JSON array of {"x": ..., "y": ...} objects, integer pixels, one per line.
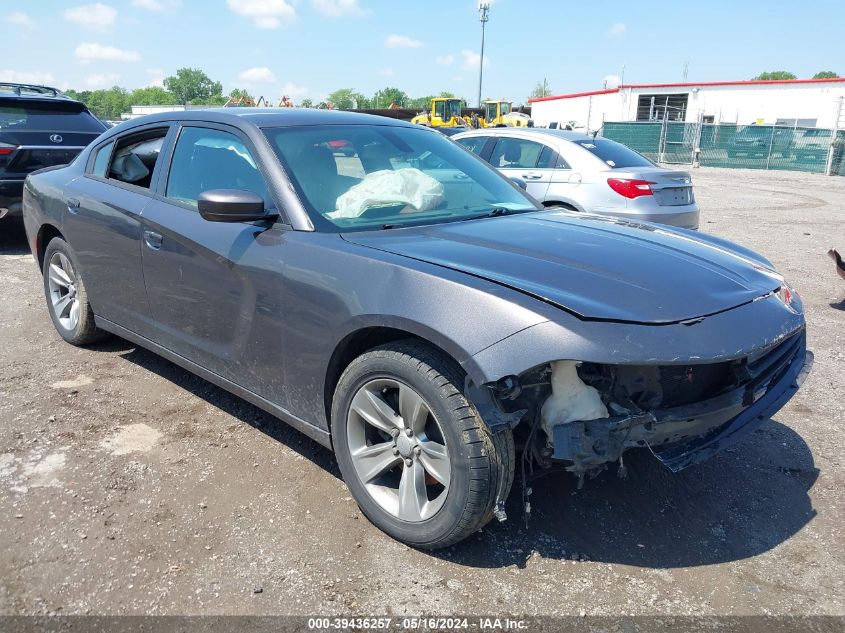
[
  {"x": 444, "y": 112},
  {"x": 501, "y": 114}
]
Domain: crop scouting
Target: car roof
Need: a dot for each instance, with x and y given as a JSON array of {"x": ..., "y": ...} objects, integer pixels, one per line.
[
  {"x": 269, "y": 117},
  {"x": 535, "y": 131}
]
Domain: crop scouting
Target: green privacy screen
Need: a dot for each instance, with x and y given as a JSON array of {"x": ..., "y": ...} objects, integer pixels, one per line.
[{"x": 728, "y": 145}]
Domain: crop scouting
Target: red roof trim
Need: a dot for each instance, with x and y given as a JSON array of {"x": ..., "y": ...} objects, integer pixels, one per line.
[
  {"x": 574, "y": 94},
  {"x": 749, "y": 82}
]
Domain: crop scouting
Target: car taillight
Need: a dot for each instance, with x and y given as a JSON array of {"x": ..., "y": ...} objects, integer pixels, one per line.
[
  {"x": 630, "y": 188},
  {"x": 6, "y": 149}
]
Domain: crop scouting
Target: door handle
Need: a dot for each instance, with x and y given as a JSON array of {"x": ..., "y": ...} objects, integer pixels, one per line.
[
  {"x": 73, "y": 205},
  {"x": 152, "y": 240},
  {"x": 532, "y": 175}
]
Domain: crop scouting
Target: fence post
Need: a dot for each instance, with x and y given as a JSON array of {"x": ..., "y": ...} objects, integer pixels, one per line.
[
  {"x": 828, "y": 167},
  {"x": 771, "y": 144},
  {"x": 696, "y": 143},
  {"x": 661, "y": 146}
]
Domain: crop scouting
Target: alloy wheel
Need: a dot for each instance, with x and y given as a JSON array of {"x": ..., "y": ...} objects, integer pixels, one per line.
[
  {"x": 398, "y": 449},
  {"x": 64, "y": 300}
]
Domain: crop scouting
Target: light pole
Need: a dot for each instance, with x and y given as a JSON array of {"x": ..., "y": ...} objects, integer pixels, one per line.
[{"x": 484, "y": 16}]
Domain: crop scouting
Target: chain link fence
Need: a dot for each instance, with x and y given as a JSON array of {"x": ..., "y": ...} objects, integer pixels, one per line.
[{"x": 815, "y": 150}]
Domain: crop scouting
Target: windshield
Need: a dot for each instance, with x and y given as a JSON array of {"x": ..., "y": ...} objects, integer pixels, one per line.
[
  {"x": 490, "y": 111},
  {"x": 453, "y": 109},
  {"x": 364, "y": 177},
  {"x": 614, "y": 154}
]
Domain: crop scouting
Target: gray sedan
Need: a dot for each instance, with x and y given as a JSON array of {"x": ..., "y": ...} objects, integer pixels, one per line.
[
  {"x": 404, "y": 304},
  {"x": 582, "y": 173}
]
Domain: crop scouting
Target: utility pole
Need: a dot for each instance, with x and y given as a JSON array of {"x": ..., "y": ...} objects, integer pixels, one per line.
[{"x": 484, "y": 16}]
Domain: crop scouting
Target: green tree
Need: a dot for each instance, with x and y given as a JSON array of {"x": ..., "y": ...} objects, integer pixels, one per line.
[
  {"x": 106, "y": 104},
  {"x": 774, "y": 74},
  {"x": 240, "y": 93},
  {"x": 192, "y": 85},
  {"x": 387, "y": 96},
  {"x": 540, "y": 90},
  {"x": 306, "y": 103},
  {"x": 826, "y": 74},
  {"x": 348, "y": 99},
  {"x": 151, "y": 95}
]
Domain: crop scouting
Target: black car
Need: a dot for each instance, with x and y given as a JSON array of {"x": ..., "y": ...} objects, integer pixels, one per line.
[
  {"x": 39, "y": 127},
  {"x": 409, "y": 307}
]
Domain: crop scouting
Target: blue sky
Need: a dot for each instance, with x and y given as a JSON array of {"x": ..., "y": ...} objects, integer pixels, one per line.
[{"x": 307, "y": 48}]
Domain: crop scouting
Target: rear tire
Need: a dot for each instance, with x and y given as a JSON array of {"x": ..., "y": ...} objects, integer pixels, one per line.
[
  {"x": 67, "y": 299},
  {"x": 408, "y": 385}
]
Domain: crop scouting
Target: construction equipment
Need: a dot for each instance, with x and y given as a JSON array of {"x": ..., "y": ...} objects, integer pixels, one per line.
[
  {"x": 500, "y": 114},
  {"x": 444, "y": 112},
  {"x": 240, "y": 102}
]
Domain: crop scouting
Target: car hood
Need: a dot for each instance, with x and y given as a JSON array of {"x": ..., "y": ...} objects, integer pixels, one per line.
[{"x": 596, "y": 267}]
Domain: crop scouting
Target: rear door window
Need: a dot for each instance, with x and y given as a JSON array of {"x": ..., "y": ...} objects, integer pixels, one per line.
[
  {"x": 101, "y": 160},
  {"x": 614, "y": 154},
  {"x": 550, "y": 159},
  {"x": 135, "y": 158},
  {"x": 515, "y": 153}
]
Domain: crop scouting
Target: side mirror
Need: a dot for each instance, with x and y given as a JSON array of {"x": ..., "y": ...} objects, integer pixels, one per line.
[
  {"x": 231, "y": 205},
  {"x": 519, "y": 182}
]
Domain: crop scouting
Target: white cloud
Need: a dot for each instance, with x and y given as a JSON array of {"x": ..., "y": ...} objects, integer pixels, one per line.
[
  {"x": 473, "y": 59},
  {"x": 292, "y": 90},
  {"x": 265, "y": 14},
  {"x": 337, "y": 8},
  {"x": 19, "y": 18},
  {"x": 611, "y": 81},
  {"x": 445, "y": 60},
  {"x": 618, "y": 29},
  {"x": 152, "y": 5},
  {"x": 260, "y": 74},
  {"x": 157, "y": 5},
  {"x": 24, "y": 77},
  {"x": 156, "y": 77},
  {"x": 92, "y": 16},
  {"x": 102, "y": 81},
  {"x": 88, "y": 51},
  {"x": 386, "y": 72},
  {"x": 401, "y": 41}
]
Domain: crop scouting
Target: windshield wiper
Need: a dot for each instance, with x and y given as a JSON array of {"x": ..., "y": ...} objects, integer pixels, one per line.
[{"x": 492, "y": 213}]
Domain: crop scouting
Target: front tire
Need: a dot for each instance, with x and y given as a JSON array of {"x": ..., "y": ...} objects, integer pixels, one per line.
[
  {"x": 67, "y": 299},
  {"x": 417, "y": 457}
]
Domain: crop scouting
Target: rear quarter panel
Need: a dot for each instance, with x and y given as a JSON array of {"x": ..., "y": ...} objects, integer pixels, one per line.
[{"x": 43, "y": 203}]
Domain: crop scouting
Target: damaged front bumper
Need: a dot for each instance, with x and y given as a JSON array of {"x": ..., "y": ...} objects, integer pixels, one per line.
[{"x": 685, "y": 435}]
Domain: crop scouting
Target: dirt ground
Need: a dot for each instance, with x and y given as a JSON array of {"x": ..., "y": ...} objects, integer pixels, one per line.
[{"x": 129, "y": 486}]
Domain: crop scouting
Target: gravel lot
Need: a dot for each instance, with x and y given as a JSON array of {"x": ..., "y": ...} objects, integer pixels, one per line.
[{"x": 128, "y": 485}]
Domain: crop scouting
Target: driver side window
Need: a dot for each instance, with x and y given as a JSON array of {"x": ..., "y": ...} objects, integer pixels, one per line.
[{"x": 206, "y": 159}]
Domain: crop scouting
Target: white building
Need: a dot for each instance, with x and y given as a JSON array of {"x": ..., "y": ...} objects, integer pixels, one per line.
[
  {"x": 802, "y": 102},
  {"x": 158, "y": 109}
]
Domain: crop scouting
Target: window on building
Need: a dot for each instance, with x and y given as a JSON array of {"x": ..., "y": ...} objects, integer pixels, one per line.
[{"x": 654, "y": 107}]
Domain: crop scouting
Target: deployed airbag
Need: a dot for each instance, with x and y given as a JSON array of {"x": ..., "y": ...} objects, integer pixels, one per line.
[{"x": 407, "y": 186}]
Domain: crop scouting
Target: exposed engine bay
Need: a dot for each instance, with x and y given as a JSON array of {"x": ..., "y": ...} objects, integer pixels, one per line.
[{"x": 581, "y": 417}]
